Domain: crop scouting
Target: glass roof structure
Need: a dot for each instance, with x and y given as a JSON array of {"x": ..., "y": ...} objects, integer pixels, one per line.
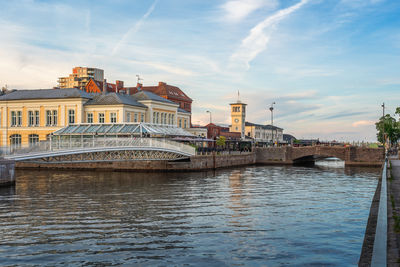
[{"x": 123, "y": 129}]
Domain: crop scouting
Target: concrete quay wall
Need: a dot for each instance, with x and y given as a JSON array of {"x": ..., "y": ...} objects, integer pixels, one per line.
[
  {"x": 7, "y": 174},
  {"x": 196, "y": 163}
]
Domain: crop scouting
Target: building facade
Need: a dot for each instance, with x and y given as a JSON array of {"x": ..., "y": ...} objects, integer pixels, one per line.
[
  {"x": 30, "y": 116},
  {"x": 238, "y": 118},
  {"x": 80, "y": 77},
  {"x": 248, "y": 130}
]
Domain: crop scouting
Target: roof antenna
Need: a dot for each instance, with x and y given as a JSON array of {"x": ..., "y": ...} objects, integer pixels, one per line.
[
  {"x": 138, "y": 79},
  {"x": 238, "y": 97}
]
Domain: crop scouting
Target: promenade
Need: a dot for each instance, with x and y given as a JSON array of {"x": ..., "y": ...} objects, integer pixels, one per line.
[{"x": 393, "y": 258}]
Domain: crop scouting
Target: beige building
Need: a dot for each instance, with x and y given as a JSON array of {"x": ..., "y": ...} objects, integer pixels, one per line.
[
  {"x": 80, "y": 77},
  {"x": 257, "y": 132},
  {"x": 30, "y": 116}
]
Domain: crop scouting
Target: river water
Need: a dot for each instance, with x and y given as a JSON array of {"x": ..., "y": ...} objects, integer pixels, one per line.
[{"x": 251, "y": 216}]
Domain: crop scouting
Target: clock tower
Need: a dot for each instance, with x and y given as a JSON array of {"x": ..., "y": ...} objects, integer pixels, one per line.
[{"x": 238, "y": 117}]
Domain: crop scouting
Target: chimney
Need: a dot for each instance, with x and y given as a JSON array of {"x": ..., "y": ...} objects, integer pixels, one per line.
[
  {"x": 139, "y": 87},
  {"x": 104, "y": 86},
  {"x": 119, "y": 85}
]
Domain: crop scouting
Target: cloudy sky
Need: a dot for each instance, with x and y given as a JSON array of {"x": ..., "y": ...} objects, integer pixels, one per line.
[{"x": 328, "y": 64}]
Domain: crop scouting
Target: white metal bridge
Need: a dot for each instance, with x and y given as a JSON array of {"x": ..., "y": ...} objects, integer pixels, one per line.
[{"x": 98, "y": 149}]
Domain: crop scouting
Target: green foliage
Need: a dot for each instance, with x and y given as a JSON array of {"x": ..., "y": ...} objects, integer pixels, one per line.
[
  {"x": 221, "y": 141},
  {"x": 388, "y": 129}
]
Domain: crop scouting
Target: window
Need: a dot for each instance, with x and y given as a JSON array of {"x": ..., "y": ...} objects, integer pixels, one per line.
[
  {"x": 135, "y": 117},
  {"x": 185, "y": 124},
  {"x": 71, "y": 116},
  {"x": 30, "y": 118},
  {"x": 15, "y": 140},
  {"x": 55, "y": 117},
  {"x": 235, "y": 109},
  {"x": 113, "y": 117},
  {"x": 89, "y": 117},
  {"x": 154, "y": 117},
  {"x": 142, "y": 117},
  {"x": 13, "y": 118},
  {"x": 37, "y": 118},
  {"x": 169, "y": 119},
  {"x": 19, "y": 118},
  {"x": 165, "y": 118},
  {"x": 101, "y": 117},
  {"x": 33, "y": 139},
  {"x": 49, "y": 117},
  {"x": 128, "y": 117},
  {"x": 158, "y": 117},
  {"x": 180, "y": 123},
  {"x": 173, "y": 118}
]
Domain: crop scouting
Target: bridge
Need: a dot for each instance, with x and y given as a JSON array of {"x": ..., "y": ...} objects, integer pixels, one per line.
[
  {"x": 351, "y": 155},
  {"x": 100, "y": 149}
]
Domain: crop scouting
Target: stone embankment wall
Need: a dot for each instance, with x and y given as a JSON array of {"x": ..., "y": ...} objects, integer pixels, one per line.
[
  {"x": 196, "y": 163},
  {"x": 269, "y": 155},
  {"x": 7, "y": 172},
  {"x": 355, "y": 156}
]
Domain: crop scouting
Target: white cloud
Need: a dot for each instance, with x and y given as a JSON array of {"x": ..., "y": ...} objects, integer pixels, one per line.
[
  {"x": 260, "y": 35},
  {"x": 236, "y": 10},
  {"x": 134, "y": 29},
  {"x": 362, "y": 123}
]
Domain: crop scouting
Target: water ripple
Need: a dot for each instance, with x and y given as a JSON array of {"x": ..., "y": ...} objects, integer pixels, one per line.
[{"x": 256, "y": 216}]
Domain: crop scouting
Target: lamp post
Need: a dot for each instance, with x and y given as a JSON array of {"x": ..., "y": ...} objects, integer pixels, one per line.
[
  {"x": 210, "y": 115},
  {"x": 383, "y": 127},
  {"x": 271, "y": 108}
]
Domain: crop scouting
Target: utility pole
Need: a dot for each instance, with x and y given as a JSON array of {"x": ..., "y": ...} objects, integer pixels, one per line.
[
  {"x": 272, "y": 122},
  {"x": 383, "y": 126}
]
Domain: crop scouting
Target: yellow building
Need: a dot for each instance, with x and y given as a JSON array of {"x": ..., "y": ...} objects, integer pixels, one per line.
[
  {"x": 80, "y": 77},
  {"x": 29, "y": 116},
  {"x": 256, "y": 132},
  {"x": 238, "y": 118}
]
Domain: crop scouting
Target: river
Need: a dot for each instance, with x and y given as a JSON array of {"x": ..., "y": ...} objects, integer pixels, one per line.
[{"x": 250, "y": 216}]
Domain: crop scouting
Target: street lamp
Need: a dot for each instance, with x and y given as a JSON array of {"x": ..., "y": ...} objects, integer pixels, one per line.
[
  {"x": 210, "y": 115},
  {"x": 271, "y": 108}
]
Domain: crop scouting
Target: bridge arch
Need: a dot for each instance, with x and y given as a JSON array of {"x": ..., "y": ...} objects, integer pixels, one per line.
[{"x": 313, "y": 152}]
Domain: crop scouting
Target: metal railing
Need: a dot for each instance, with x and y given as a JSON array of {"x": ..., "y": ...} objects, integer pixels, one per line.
[
  {"x": 380, "y": 243},
  {"x": 98, "y": 143}
]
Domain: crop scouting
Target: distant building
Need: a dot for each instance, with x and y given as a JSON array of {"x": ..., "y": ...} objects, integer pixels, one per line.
[
  {"x": 248, "y": 130},
  {"x": 264, "y": 133},
  {"x": 288, "y": 138},
  {"x": 172, "y": 93},
  {"x": 238, "y": 118},
  {"x": 80, "y": 77}
]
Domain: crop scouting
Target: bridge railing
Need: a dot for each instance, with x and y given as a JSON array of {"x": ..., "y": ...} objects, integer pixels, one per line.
[{"x": 90, "y": 144}]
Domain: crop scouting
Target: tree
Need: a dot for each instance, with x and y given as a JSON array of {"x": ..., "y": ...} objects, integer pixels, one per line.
[
  {"x": 389, "y": 127},
  {"x": 221, "y": 141}
]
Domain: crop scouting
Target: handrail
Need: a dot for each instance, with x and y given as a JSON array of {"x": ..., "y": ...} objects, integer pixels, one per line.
[
  {"x": 99, "y": 142},
  {"x": 379, "y": 252}
]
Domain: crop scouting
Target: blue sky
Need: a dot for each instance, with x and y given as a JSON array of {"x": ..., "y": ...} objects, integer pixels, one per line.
[{"x": 328, "y": 64}]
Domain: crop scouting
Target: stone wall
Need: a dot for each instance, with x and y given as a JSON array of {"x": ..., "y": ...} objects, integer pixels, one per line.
[
  {"x": 196, "y": 163},
  {"x": 351, "y": 155},
  {"x": 268, "y": 155}
]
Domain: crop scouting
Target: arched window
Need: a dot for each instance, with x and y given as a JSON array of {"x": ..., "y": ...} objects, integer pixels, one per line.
[
  {"x": 33, "y": 139},
  {"x": 15, "y": 140}
]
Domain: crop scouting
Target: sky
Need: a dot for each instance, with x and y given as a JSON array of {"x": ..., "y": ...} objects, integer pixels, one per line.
[{"x": 327, "y": 64}]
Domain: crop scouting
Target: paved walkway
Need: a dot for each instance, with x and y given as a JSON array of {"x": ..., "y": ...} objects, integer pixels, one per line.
[{"x": 393, "y": 208}]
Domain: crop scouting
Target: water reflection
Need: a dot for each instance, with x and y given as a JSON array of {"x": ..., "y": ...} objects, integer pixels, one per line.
[{"x": 248, "y": 216}]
